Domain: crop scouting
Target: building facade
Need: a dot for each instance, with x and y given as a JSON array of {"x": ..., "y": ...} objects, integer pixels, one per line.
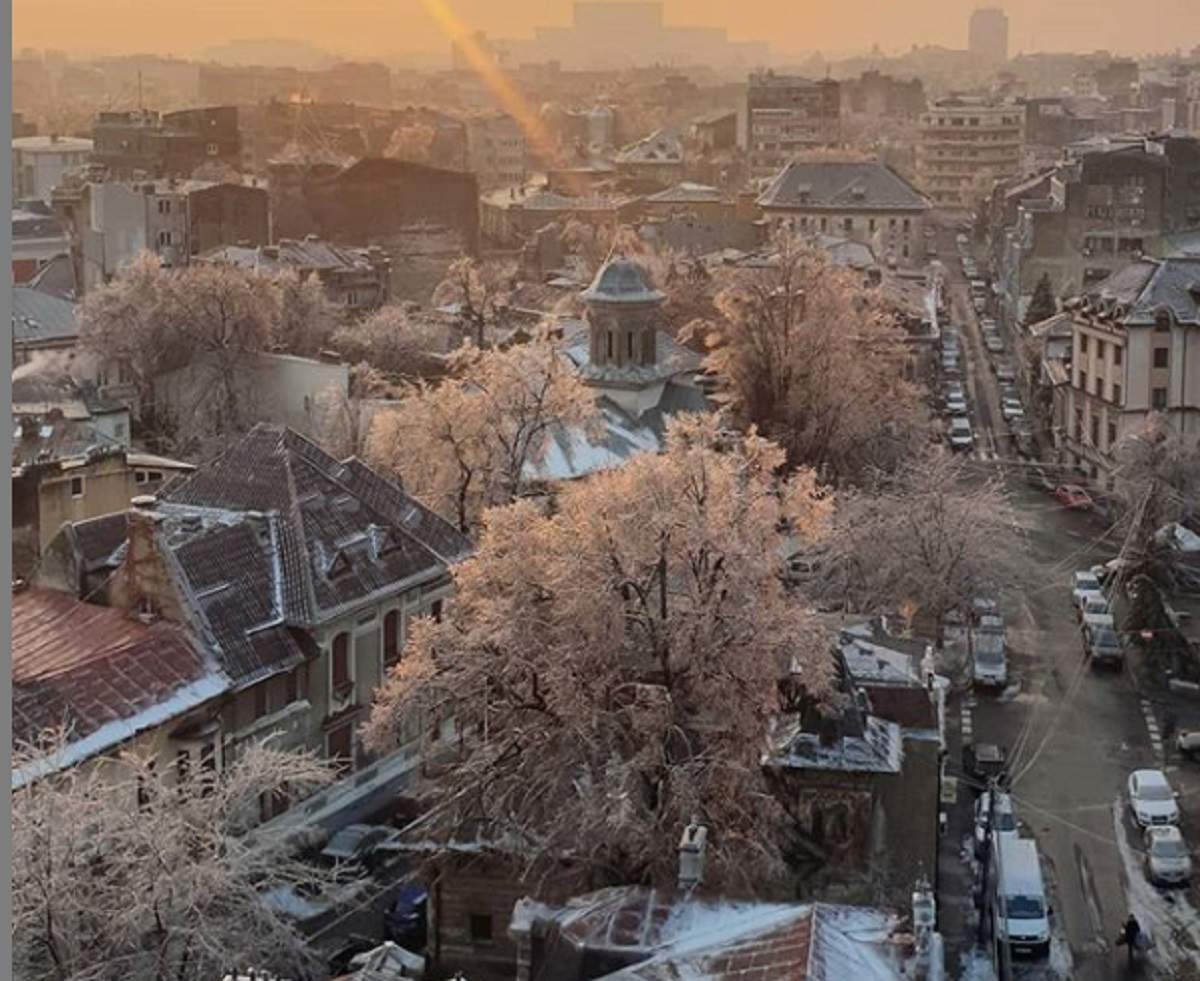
[
  {"x": 987, "y": 35},
  {"x": 39, "y": 163},
  {"x": 1135, "y": 338},
  {"x": 496, "y": 150},
  {"x": 144, "y": 143},
  {"x": 964, "y": 145},
  {"x": 786, "y": 115}
]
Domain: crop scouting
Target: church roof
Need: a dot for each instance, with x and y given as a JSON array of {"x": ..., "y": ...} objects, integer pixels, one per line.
[{"x": 622, "y": 280}]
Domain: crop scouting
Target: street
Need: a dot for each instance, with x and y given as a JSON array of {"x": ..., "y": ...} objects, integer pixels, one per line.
[{"x": 1073, "y": 733}]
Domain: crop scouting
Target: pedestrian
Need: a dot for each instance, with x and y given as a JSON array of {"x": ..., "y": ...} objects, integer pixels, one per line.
[{"x": 1130, "y": 935}]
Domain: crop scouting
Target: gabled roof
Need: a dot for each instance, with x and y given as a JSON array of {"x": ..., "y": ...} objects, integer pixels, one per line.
[
  {"x": 309, "y": 253},
  {"x": 40, "y": 317},
  {"x": 56, "y": 278},
  {"x": 100, "y": 672},
  {"x": 846, "y": 186},
  {"x": 322, "y": 508},
  {"x": 1138, "y": 292},
  {"x": 665, "y": 936}
]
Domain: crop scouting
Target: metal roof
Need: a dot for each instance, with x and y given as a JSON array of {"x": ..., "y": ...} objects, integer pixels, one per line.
[
  {"x": 38, "y": 316},
  {"x": 846, "y": 186}
]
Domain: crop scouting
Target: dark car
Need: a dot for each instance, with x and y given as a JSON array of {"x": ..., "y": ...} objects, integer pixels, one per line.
[
  {"x": 406, "y": 921},
  {"x": 983, "y": 762}
]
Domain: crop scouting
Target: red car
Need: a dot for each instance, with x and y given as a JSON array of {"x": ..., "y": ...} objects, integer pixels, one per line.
[{"x": 1073, "y": 496}]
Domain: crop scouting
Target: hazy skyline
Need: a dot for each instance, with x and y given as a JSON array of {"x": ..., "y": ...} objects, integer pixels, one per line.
[{"x": 382, "y": 27}]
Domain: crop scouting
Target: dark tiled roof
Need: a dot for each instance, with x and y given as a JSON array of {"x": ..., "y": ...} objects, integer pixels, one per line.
[
  {"x": 846, "y": 186},
  {"x": 342, "y": 533},
  {"x": 56, "y": 278},
  {"x": 622, "y": 280},
  {"x": 98, "y": 539},
  {"x": 97, "y": 670},
  {"x": 39, "y": 316},
  {"x": 290, "y": 254},
  {"x": 1136, "y": 293}
]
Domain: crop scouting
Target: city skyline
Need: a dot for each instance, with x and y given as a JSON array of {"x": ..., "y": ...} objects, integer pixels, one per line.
[{"x": 399, "y": 28}]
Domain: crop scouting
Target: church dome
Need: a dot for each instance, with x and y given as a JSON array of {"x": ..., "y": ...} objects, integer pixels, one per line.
[{"x": 622, "y": 280}]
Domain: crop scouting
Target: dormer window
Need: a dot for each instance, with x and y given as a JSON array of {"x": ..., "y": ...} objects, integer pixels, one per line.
[{"x": 338, "y": 565}]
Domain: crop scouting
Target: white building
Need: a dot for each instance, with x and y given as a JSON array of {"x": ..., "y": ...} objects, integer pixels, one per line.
[
  {"x": 39, "y": 163},
  {"x": 496, "y": 150}
]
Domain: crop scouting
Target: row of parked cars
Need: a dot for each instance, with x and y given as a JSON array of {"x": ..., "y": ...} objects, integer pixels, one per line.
[{"x": 954, "y": 393}]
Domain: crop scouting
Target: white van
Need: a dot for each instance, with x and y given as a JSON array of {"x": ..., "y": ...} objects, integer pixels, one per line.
[{"x": 1020, "y": 911}]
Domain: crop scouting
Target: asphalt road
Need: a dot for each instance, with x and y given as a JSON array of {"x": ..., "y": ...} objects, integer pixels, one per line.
[{"x": 1074, "y": 734}]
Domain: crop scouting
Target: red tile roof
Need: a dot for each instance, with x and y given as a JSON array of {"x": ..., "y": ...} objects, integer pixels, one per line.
[{"x": 102, "y": 673}]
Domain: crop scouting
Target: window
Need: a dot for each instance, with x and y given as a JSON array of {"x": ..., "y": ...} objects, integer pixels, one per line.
[
  {"x": 629, "y": 346},
  {"x": 481, "y": 928},
  {"x": 610, "y": 344},
  {"x": 824, "y": 224},
  {"x": 1096, "y": 431},
  {"x": 1098, "y": 386},
  {"x": 391, "y": 637},
  {"x": 297, "y": 684},
  {"x": 1112, "y": 434},
  {"x": 1082, "y": 386},
  {"x": 164, "y": 238},
  {"x": 262, "y": 704},
  {"x": 211, "y": 149},
  {"x": 340, "y": 663},
  {"x": 1083, "y": 343},
  {"x": 1158, "y": 398},
  {"x": 435, "y": 610},
  {"x": 870, "y": 224},
  {"x": 1116, "y": 393},
  {"x": 119, "y": 430},
  {"x": 1100, "y": 350},
  {"x": 77, "y": 487},
  {"x": 145, "y": 783},
  {"x": 164, "y": 206},
  {"x": 1118, "y": 354},
  {"x": 153, "y": 476},
  {"x": 848, "y": 224},
  {"x": 1162, "y": 357},
  {"x": 907, "y": 224}
]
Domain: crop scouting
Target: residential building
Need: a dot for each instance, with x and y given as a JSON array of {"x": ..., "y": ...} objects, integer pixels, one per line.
[
  {"x": 123, "y": 685},
  {"x": 865, "y": 202},
  {"x": 45, "y": 389},
  {"x": 987, "y": 36},
  {"x": 496, "y": 150},
  {"x": 298, "y": 575},
  {"x": 716, "y": 130},
  {"x": 964, "y": 145},
  {"x": 657, "y": 160},
  {"x": 356, "y": 279},
  {"x": 39, "y": 163},
  {"x": 1113, "y": 201},
  {"x": 37, "y": 237},
  {"x": 141, "y": 143},
  {"x": 1134, "y": 353},
  {"x": 508, "y": 216},
  {"x": 786, "y": 115},
  {"x": 174, "y": 219},
  {"x": 22, "y": 126},
  {"x": 377, "y": 201},
  {"x": 879, "y": 96}
]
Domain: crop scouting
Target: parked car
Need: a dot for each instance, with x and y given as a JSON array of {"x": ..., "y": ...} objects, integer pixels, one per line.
[
  {"x": 1151, "y": 799},
  {"x": 1020, "y": 910},
  {"x": 956, "y": 405},
  {"x": 340, "y": 961},
  {"x": 405, "y": 922},
  {"x": 994, "y": 343},
  {"x": 982, "y": 762},
  {"x": 961, "y": 436},
  {"x": 1073, "y": 497},
  {"x": 990, "y": 666},
  {"x": 1084, "y": 585},
  {"x": 1005, "y": 372},
  {"x": 1168, "y": 861},
  {"x": 1103, "y": 646},
  {"x": 357, "y": 845},
  {"x": 1005, "y": 819},
  {"x": 1012, "y": 409},
  {"x": 1094, "y": 612},
  {"x": 1187, "y": 742}
]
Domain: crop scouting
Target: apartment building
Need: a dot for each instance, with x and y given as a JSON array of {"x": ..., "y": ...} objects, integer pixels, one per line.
[
  {"x": 39, "y": 163},
  {"x": 496, "y": 150},
  {"x": 142, "y": 142},
  {"x": 1135, "y": 351},
  {"x": 786, "y": 115},
  {"x": 964, "y": 145}
]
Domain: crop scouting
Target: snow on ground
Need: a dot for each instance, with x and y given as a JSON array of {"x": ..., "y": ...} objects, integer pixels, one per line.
[
  {"x": 976, "y": 965},
  {"x": 1172, "y": 922}
]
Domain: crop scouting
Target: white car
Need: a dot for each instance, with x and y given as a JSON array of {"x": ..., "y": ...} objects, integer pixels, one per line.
[
  {"x": 1095, "y": 613},
  {"x": 1006, "y": 819},
  {"x": 961, "y": 437},
  {"x": 956, "y": 405},
  {"x": 1168, "y": 861},
  {"x": 1085, "y": 586},
  {"x": 1012, "y": 409},
  {"x": 1151, "y": 799},
  {"x": 993, "y": 343}
]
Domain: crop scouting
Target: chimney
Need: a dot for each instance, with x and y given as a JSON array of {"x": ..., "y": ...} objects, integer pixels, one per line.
[{"x": 691, "y": 856}]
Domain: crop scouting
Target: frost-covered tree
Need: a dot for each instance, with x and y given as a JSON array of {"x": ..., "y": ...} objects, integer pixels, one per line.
[
  {"x": 122, "y": 871},
  {"x": 613, "y": 666},
  {"x": 479, "y": 292},
  {"x": 814, "y": 359},
  {"x": 468, "y": 442},
  {"x": 396, "y": 341}
]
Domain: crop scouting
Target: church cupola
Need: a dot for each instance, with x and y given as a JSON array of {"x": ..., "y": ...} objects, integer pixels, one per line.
[{"x": 622, "y": 315}]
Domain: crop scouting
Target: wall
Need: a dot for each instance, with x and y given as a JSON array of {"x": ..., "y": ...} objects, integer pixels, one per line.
[
  {"x": 888, "y": 233},
  {"x": 226, "y": 214},
  {"x": 108, "y": 486},
  {"x": 910, "y": 802}
]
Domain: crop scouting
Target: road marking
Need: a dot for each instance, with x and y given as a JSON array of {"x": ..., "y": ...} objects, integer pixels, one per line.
[
  {"x": 968, "y": 722},
  {"x": 1152, "y": 726}
]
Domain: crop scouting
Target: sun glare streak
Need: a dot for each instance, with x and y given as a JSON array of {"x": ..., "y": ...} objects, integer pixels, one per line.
[{"x": 505, "y": 92}]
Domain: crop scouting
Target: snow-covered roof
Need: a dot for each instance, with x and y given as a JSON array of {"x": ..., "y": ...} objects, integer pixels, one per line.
[
  {"x": 875, "y": 664},
  {"x": 879, "y": 749},
  {"x": 711, "y": 940}
]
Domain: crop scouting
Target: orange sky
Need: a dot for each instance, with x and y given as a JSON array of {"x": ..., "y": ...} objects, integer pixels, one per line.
[{"x": 375, "y": 27}]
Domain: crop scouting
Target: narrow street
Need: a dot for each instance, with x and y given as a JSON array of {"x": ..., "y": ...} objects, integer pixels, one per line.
[{"x": 1073, "y": 733}]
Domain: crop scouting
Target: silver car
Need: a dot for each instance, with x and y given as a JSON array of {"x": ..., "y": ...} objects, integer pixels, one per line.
[{"x": 1168, "y": 861}]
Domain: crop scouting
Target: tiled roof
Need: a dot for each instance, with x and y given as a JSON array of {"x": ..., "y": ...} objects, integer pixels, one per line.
[
  {"x": 342, "y": 533},
  {"x": 845, "y": 186},
  {"x": 622, "y": 280},
  {"x": 686, "y": 192},
  {"x": 39, "y": 316},
  {"x": 306, "y": 254},
  {"x": 103, "y": 674},
  {"x": 98, "y": 540},
  {"x": 1136, "y": 293}
]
